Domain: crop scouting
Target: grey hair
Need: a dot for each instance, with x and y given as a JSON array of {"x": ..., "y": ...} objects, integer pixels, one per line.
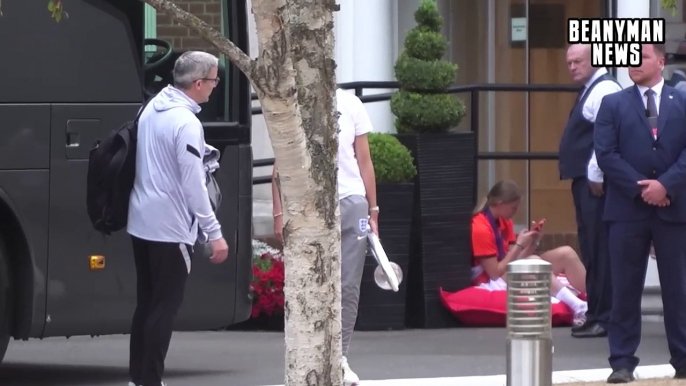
[
  {"x": 191, "y": 66},
  {"x": 585, "y": 46}
]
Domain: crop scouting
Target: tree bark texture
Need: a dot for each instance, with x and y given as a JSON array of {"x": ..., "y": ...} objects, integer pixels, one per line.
[
  {"x": 294, "y": 77},
  {"x": 313, "y": 328}
]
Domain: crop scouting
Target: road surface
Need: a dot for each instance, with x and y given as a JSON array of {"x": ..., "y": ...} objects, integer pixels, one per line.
[{"x": 256, "y": 358}]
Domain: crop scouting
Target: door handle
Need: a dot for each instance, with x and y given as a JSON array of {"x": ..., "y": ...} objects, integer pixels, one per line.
[
  {"x": 81, "y": 133},
  {"x": 73, "y": 139},
  {"x": 73, "y": 133}
]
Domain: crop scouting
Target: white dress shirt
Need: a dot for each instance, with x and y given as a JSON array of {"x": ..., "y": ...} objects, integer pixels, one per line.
[
  {"x": 590, "y": 111},
  {"x": 658, "y": 94}
]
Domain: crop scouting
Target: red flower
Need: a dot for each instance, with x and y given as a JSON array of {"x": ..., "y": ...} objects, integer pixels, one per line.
[{"x": 267, "y": 285}]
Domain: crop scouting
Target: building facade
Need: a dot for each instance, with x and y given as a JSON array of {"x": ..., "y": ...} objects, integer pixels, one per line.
[{"x": 492, "y": 41}]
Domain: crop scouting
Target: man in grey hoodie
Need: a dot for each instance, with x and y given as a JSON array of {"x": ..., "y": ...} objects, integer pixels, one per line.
[{"x": 169, "y": 205}]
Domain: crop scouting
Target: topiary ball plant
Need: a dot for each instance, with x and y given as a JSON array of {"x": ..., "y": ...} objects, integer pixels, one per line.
[
  {"x": 421, "y": 105},
  {"x": 392, "y": 161}
]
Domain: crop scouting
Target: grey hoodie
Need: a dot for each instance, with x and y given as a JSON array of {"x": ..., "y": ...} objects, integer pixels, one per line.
[{"x": 169, "y": 198}]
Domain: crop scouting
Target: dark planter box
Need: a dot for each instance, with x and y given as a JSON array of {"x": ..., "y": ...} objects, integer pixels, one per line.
[
  {"x": 384, "y": 309},
  {"x": 440, "y": 245}
]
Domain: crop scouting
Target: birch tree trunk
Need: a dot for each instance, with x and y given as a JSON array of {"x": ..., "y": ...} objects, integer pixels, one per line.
[{"x": 294, "y": 77}]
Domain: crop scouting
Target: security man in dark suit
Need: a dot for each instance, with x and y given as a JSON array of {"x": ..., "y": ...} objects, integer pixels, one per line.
[
  {"x": 640, "y": 144},
  {"x": 578, "y": 163}
]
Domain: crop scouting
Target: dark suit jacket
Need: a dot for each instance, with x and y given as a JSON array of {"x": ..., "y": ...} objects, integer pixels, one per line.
[{"x": 627, "y": 153}]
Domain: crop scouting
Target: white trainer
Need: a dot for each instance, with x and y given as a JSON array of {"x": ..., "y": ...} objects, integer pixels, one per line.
[
  {"x": 349, "y": 376},
  {"x": 580, "y": 316}
]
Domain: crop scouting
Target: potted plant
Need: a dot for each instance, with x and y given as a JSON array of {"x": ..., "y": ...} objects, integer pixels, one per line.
[
  {"x": 426, "y": 118},
  {"x": 266, "y": 290},
  {"x": 395, "y": 171}
]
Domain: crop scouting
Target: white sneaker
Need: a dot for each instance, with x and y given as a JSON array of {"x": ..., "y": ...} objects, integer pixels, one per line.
[
  {"x": 133, "y": 384},
  {"x": 580, "y": 316},
  {"x": 349, "y": 376}
]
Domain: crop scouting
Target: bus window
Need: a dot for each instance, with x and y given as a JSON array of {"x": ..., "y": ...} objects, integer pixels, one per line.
[
  {"x": 93, "y": 56},
  {"x": 166, "y": 40}
]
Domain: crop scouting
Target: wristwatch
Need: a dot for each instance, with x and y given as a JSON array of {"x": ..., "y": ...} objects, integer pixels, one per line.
[{"x": 374, "y": 209}]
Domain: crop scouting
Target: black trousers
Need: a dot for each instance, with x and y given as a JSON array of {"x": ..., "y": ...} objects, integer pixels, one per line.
[
  {"x": 629, "y": 247},
  {"x": 593, "y": 237},
  {"x": 161, "y": 271}
]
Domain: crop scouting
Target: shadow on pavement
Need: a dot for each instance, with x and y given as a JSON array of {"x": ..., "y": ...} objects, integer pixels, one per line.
[{"x": 36, "y": 374}]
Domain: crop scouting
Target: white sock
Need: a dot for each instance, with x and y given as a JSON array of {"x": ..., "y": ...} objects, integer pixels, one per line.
[{"x": 567, "y": 297}]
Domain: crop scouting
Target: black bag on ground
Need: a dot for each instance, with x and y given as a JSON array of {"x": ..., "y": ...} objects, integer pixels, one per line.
[{"x": 111, "y": 173}]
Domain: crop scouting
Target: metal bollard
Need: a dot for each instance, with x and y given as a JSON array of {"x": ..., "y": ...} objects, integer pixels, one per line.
[{"x": 529, "y": 329}]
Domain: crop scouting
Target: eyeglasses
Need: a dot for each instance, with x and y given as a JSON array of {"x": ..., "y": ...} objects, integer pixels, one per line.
[{"x": 215, "y": 80}]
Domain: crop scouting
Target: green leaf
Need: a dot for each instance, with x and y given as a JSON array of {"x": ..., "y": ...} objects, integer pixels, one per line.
[
  {"x": 391, "y": 159},
  {"x": 58, "y": 16},
  {"x": 51, "y": 5},
  {"x": 670, "y": 5}
]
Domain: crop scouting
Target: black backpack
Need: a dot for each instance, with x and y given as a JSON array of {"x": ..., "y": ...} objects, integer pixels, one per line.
[{"x": 111, "y": 173}]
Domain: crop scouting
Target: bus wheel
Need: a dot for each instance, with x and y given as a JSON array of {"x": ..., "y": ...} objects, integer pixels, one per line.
[{"x": 6, "y": 300}]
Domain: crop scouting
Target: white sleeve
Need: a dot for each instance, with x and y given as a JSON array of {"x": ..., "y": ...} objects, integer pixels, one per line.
[
  {"x": 363, "y": 124},
  {"x": 190, "y": 147},
  {"x": 594, "y": 172}
]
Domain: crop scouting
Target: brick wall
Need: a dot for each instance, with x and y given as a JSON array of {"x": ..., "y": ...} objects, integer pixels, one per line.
[{"x": 179, "y": 36}]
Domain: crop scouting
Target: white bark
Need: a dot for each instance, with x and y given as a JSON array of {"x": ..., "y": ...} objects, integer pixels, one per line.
[
  {"x": 313, "y": 328},
  {"x": 294, "y": 79}
]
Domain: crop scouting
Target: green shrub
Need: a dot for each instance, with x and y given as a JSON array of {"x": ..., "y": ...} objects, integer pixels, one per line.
[
  {"x": 427, "y": 16},
  {"x": 422, "y": 105},
  {"x": 392, "y": 160},
  {"x": 422, "y": 43},
  {"x": 432, "y": 112},
  {"x": 422, "y": 75}
]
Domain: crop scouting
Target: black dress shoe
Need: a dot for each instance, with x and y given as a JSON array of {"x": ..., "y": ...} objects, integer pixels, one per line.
[
  {"x": 591, "y": 331},
  {"x": 581, "y": 327},
  {"x": 680, "y": 373},
  {"x": 621, "y": 376}
]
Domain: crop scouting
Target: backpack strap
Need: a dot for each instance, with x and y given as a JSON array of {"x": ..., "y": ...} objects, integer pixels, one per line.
[
  {"x": 125, "y": 135},
  {"x": 140, "y": 112}
]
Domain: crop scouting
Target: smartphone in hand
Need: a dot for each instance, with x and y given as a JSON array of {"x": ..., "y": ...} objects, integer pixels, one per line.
[{"x": 537, "y": 226}]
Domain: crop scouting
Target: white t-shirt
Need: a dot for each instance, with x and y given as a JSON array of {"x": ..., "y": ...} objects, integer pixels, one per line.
[{"x": 352, "y": 122}]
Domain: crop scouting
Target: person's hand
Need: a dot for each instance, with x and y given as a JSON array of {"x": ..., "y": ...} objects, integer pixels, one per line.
[
  {"x": 527, "y": 237},
  {"x": 538, "y": 232},
  {"x": 278, "y": 227},
  {"x": 653, "y": 192},
  {"x": 664, "y": 202},
  {"x": 374, "y": 222},
  {"x": 220, "y": 250},
  {"x": 596, "y": 188}
]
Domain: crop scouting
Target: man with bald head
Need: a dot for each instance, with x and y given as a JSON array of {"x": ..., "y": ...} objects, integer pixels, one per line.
[{"x": 578, "y": 164}]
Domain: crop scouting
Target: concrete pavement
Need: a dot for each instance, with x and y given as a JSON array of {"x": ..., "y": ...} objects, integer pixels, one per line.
[{"x": 256, "y": 358}]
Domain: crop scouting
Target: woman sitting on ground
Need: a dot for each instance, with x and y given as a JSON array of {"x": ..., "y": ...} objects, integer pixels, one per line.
[{"x": 495, "y": 245}]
